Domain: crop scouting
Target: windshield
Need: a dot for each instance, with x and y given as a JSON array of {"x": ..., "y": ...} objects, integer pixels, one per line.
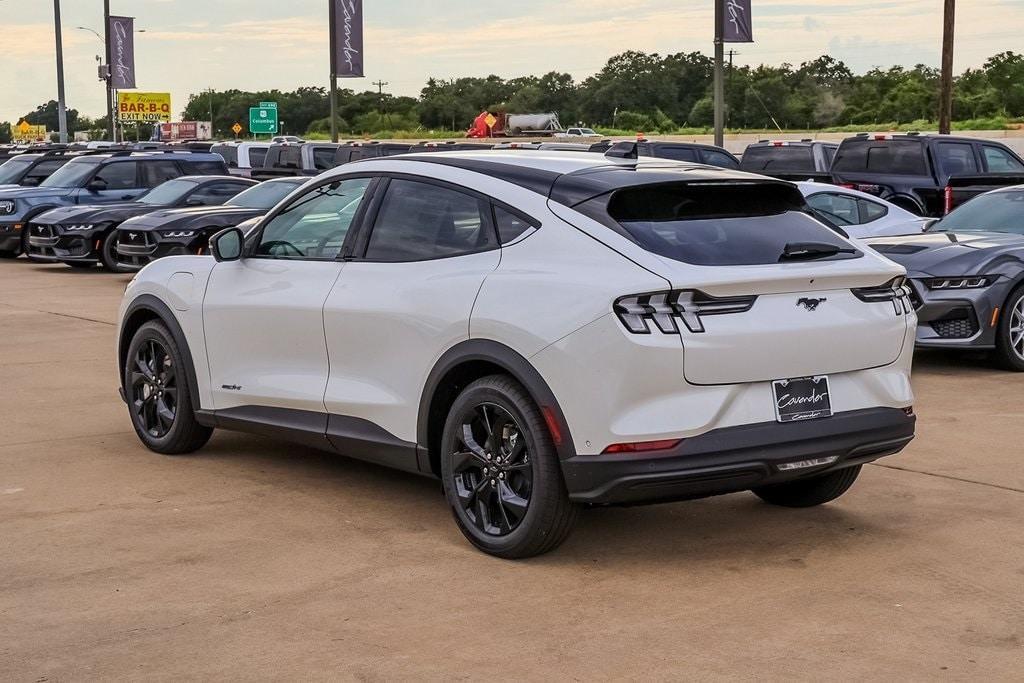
[
  {"x": 719, "y": 224},
  {"x": 170, "y": 192},
  {"x": 12, "y": 170},
  {"x": 993, "y": 212},
  {"x": 265, "y": 195},
  {"x": 72, "y": 174}
]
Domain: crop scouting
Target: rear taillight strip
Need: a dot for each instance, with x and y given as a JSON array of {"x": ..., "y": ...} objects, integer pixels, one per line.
[
  {"x": 897, "y": 291},
  {"x": 636, "y": 311}
]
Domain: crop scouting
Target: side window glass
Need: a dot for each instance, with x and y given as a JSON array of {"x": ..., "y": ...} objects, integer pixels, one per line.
[
  {"x": 203, "y": 168},
  {"x": 419, "y": 221},
  {"x": 44, "y": 169},
  {"x": 676, "y": 153},
  {"x": 156, "y": 172},
  {"x": 871, "y": 211},
  {"x": 216, "y": 194},
  {"x": 257, "y": 155},
  {"x": 716, "y": 158},
  {"x": 999, "y": 160},
  {"x": 315, "y": 224},
  {"x": 957, "y": 158},
  {"x": 837, "y": 208},
  {"x": 510, "y": 226},
  {"x": 117, "y": 176},
  {"x": 323, "y": 158}
]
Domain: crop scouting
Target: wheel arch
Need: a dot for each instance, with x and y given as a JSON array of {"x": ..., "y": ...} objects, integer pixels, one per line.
[
  {"x": 147, "y": 308},
  {"x": 466, "y": 362}
]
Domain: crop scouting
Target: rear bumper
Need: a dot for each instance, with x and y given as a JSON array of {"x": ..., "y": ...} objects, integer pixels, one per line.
[
  {"x": 740, "y": 458},
  {"x": 10, "y": 236}
]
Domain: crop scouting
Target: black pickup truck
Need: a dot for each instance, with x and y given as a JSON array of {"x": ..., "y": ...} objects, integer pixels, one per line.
[
  {"x": 926, "y": 174},
  {"x": 790, "y": 159}
]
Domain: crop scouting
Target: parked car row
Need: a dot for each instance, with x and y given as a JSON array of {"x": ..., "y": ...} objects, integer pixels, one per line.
[{"x": 928, "y": 175}]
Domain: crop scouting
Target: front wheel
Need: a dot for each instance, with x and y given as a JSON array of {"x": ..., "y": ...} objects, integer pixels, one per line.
[
  {"x": 156, "y": 387},
  {"x": 1010, "y": 333},
  {"x": 805, "y": 493},
  {"x": 501, "y": 473},
  {"x": 108, "y": 253}
]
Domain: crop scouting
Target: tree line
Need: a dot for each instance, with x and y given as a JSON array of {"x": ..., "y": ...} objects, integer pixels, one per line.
[{"x": 634, "y": 91}]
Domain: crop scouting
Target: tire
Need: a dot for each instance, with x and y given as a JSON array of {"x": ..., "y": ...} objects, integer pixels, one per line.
[
  {"x": 805, "y": 493},
  {"x": 8, "y": 254},
  {"x": 157, "y": 392},
  {"x": 536, "y": 514},
  {"x": 1009, "y": 353},
  {"x": 108, "y": 253}
]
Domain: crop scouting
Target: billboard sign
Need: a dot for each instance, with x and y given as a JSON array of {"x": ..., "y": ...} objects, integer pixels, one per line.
[
  {"x": 186, "y": 130},
  {"x": 121, "y": 34},
  {"x": 144, "y": 107}
]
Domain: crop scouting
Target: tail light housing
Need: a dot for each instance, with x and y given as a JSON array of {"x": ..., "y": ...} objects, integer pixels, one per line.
[
  {"x": 897, "y": 291},
  {"x": 637, "y": 312},
  {"x": 947, "y": 200}
]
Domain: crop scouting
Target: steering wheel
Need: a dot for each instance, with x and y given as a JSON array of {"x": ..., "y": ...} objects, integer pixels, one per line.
[{"x": 268, "y": 247}]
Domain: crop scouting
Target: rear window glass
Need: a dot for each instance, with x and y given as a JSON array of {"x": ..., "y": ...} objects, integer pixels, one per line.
[
  {"x": 784, "y": 158},
  {"x": 228, "y": 152},
  {"x": 257, "y": 155},
  {"x": 732, "y": 224},
  {"x": 895, "y": 157}
]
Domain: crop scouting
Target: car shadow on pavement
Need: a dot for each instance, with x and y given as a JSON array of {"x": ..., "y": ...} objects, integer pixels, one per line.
[
  {"x": 736, "y": 529},
  {"x": 951, "y": 362}
]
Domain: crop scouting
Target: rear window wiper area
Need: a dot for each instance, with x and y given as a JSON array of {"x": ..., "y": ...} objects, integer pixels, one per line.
[{"x": 806, "y": 251}]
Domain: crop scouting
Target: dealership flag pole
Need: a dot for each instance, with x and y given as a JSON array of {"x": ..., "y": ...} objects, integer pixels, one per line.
[
  {"x": 946, "y": 78},
  {"x": 110, "y": 94},
  {"x": 719, "y": 86},
  {"x": 332, "y": 23}
]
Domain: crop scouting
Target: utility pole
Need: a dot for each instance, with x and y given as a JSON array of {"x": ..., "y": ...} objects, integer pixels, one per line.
[
  {"x": 210, "y": 91},
  {"x": 946, "y": 79},
  {"x": 380, "y": 94},
  {"x": 333, "y": 27},
  {"x": 106, "y": 47},
  {"x": 62, "y": 113},
  {"x": 719, "y": 85},
  {"x": 732, "y": 53}
]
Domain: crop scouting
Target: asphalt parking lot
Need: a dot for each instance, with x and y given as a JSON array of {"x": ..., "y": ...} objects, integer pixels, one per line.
[{"x": 258, "y": 559}]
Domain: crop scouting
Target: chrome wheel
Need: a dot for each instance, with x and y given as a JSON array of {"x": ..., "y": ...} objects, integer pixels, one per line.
[
  {"x": 1016, "y": 328},
  {"x": 154, "y": 389},
  {"x": 492, "y": 469}
]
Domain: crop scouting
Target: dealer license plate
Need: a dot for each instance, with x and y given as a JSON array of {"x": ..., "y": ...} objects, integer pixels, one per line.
[{"x": 803, "y": 398}]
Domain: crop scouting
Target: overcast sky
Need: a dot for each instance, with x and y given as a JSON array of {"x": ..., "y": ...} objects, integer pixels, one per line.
[{"x": 190, "y": 45}]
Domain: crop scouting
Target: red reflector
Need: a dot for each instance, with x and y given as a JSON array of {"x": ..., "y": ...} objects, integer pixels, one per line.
[
  {"x": 881, "y": 137},
  {"x": 549, "y": 417},
  {"x": 848, "y": 186},
  {"x": 777, "y": 144},
  {"x": 947, "y": 196},
  {"x": 642, "y": 446}
]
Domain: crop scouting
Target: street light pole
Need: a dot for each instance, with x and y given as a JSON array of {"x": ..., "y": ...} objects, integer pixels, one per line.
[
  {"x": 106, "y": 47},
  {"x": 719, "y": 84},
  {"x": 62, "y": 114}
]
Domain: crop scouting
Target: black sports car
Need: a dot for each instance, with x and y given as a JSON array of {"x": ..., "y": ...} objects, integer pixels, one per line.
[
  {"x": 187, "y": 231},
  {"x": 967, "y": 272},
  {"x": 82, "y": 235}
]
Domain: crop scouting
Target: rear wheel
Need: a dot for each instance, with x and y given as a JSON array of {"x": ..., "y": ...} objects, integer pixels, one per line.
[
  {"x": 156, "y": 387},
  {"x": 501, "y": 473},
  {"x": 1010, "y": 333},
  {"x": 108, "y": 253},
  {"x": 805, "y": 493}
]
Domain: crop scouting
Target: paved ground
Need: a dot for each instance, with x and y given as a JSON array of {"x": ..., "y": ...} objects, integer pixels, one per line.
[{"x": 256, "y": 559}]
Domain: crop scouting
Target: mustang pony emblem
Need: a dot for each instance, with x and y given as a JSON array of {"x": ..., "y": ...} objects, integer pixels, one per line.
[{"x": 810, "y": 304}]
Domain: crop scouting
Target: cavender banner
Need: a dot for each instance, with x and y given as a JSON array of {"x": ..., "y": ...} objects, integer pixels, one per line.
[
  {"x": 736, "y": 24},
  {"x": 347, "y": 38},
  {"x": 121, "y": 32},
  {"x": 144, "y": 107}
]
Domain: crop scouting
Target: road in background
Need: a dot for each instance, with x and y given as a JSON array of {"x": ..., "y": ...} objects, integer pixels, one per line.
[{"x": 257, "y": 559}]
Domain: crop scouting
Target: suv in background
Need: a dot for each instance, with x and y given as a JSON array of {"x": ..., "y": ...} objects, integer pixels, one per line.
[
  {"x": 101, "y": 178},
  {"x": 925, "y": 174},
  {"x": 242, "y": 157},
  {"x": 790, "y": 159},
  {"x": 32, "y": 168},
  {"x": 354, "y": 151},
  {"x": 289, "y": 159},
  {"x": 695, "y": 152}
]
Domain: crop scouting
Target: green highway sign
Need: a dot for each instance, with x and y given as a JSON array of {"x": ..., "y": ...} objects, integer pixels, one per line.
[{"x": 263, "y": 119}]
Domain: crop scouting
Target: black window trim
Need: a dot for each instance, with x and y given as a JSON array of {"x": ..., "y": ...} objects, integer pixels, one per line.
[{"x": 354, "y": 229}]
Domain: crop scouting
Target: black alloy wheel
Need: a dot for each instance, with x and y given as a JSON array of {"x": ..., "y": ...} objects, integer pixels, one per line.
[
  {"x": 108, "y": 253},
  {"x": 501, "y": 473},
  {"x": 154, "y": 389},
  {"x": 492, "y": 469},
  {"x": 1009, "y": 351}
]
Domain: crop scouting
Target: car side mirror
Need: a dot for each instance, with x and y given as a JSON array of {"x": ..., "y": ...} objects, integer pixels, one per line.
[
  {"x": 194, "y": 202},
  {"x": 96, "y": 185},
  {"x": 227, "y": 244},
  {"x": 31, "y": 181}
]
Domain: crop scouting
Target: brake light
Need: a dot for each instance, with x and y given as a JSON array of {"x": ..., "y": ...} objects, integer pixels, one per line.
[
  {"x": 947, "y": 197},
  {"x": 897, "y": 291},
  {"x": 848, "y": 186},
  {"x": 636, "y": 311},
  {"x": 642, "y": 446}
]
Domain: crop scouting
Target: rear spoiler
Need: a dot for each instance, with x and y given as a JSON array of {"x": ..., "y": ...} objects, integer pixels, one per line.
[{"x": 986, "y": 179}]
